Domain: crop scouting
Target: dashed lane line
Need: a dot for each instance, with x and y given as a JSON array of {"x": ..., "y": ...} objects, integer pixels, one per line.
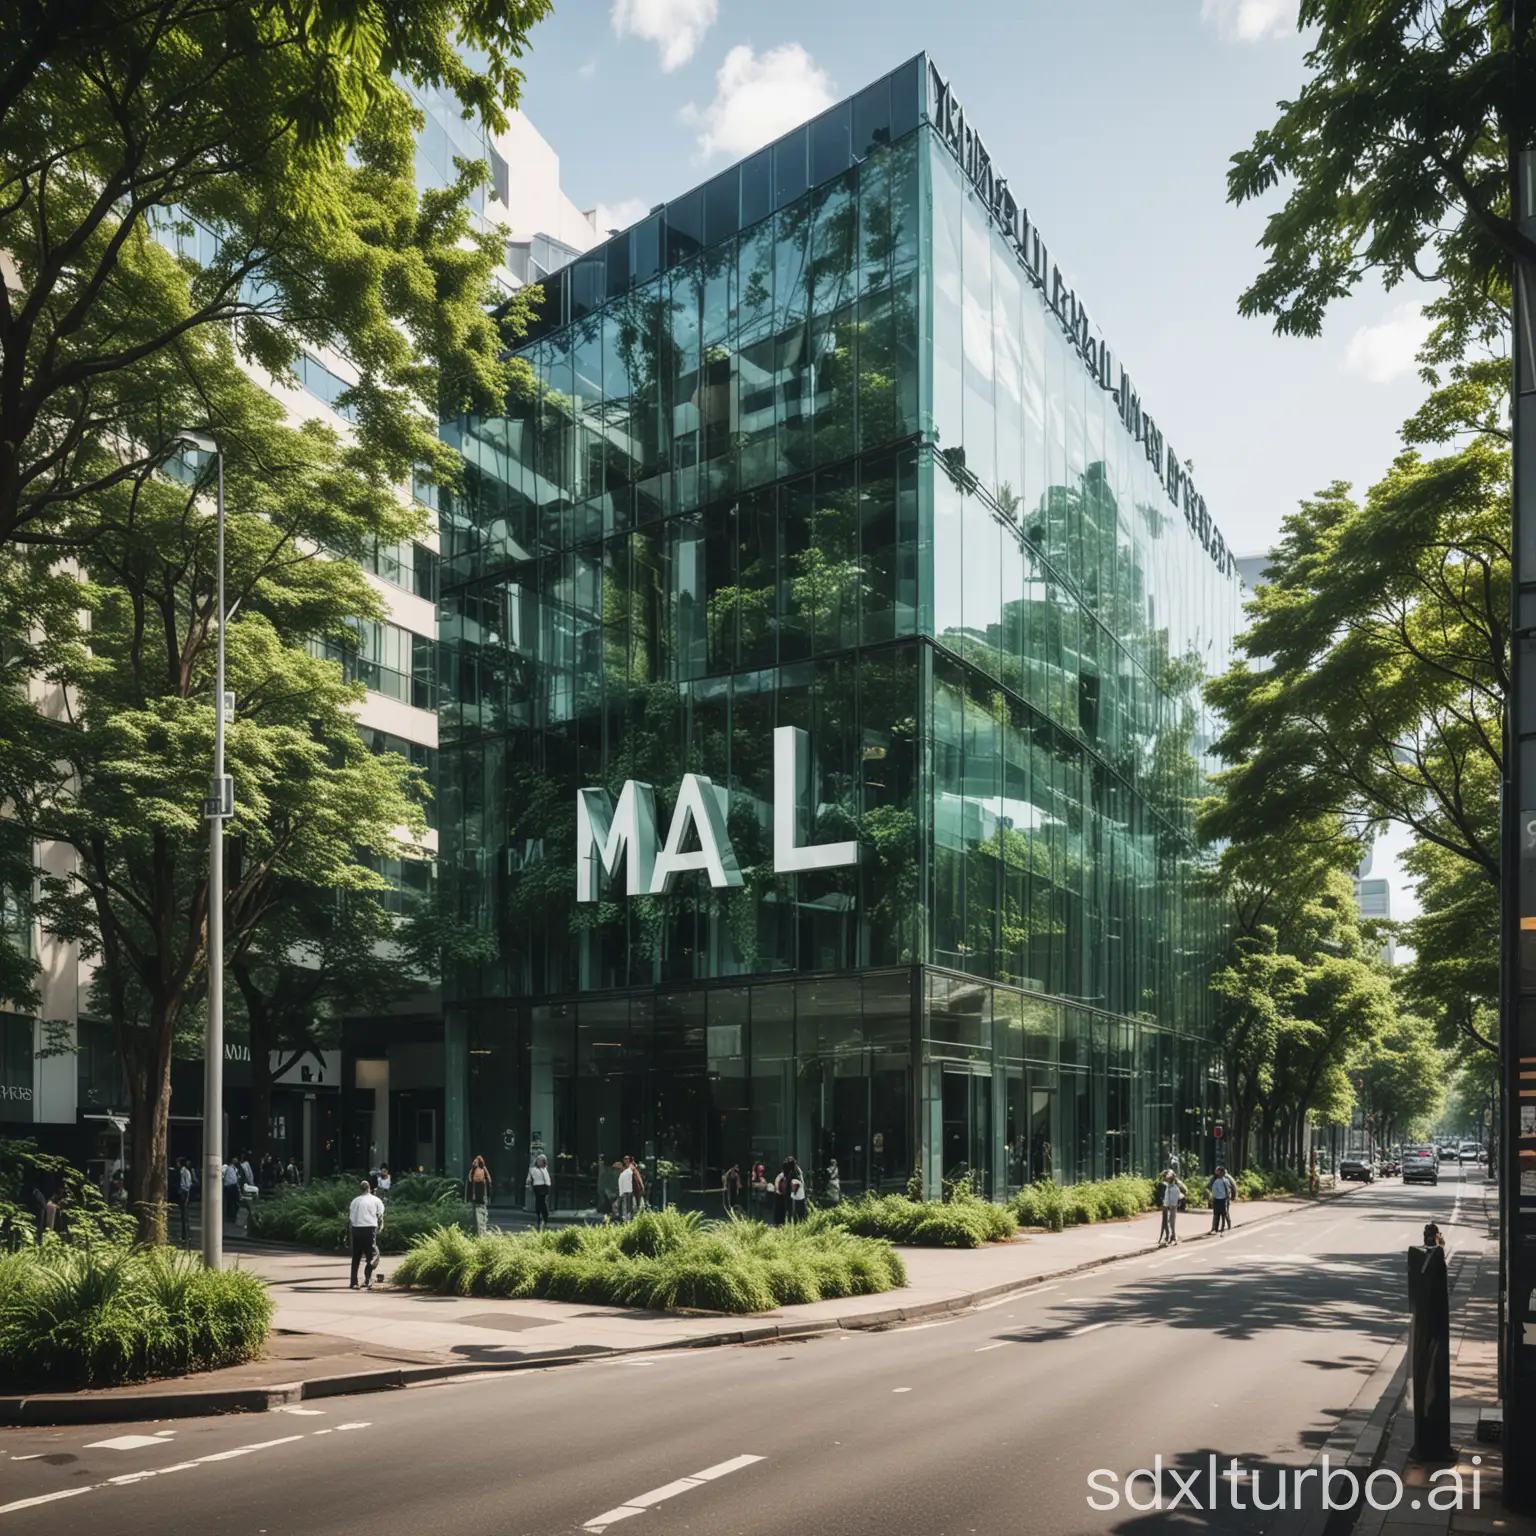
[
  {"x": 644, "y": 1501},
  {"x": 181, "y": 1466}
]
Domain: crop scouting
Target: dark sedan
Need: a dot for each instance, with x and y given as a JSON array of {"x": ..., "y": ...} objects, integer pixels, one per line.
[{"x": 1360, "y": 1169}]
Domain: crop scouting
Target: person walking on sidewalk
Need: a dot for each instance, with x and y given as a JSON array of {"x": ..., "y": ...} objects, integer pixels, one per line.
[
  {"x": 1218, "y": 1189},
  {"x": 794, "y": 1190},
  {"x": 184, "y": 1196},
  {"x": 229, "y": 1177},
  {"x": 1170, "y": 1193},
  {"x": 366, "y": 1216},
  {"x": 627, "y": 1188},
  {"x": 1226, "y": 1212},
  {"x": 477, "y": 1191},
  {"x": 539, "y": 1182}
]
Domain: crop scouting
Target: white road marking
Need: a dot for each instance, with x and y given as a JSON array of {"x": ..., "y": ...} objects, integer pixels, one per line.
[
  {"x": 128, "y": 1442},
  {"x": 901, "y": 1389},
  {"x": 304, "y": 1412},
  {"x": 642, "y": 1502},
  {"x": 35, "y": 1456},
  {"x": 985, "y": 1347},
  {"x": 366, "y": 1424},
  {"x": 1077, "y": 1333},
  {"x": 137, "y": 1477}
]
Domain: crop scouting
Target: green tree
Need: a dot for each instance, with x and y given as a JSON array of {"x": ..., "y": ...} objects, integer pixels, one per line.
[
  {"x": 1402, "y": 1080},
  {"x": 1395, "y": 158},
  {"x": 275, "y": 139},
  {"x": 127, "y": 751}
]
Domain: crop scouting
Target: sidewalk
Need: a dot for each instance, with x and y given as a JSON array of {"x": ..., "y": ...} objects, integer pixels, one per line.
[
  {"x": 1474, "y": 1389},
  {"x": 329, "y": 1339}
]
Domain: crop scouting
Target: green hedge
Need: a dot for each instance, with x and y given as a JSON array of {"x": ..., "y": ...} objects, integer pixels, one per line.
[
  {"x": 75, "y": 1317},
  {"x": 1055, "y": 1206},
  {"x": 962, "y": 1223},
  {"x": 317, "y": 1216},
  {"x": 661, "y": 1259}
]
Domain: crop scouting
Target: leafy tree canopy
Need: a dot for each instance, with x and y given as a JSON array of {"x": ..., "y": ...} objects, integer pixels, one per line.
[
  {"x": 1394, "y": 160},
  {"x": 274, "y": 142}
]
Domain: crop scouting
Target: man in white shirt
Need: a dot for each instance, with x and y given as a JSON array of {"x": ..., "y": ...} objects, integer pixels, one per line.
[
  {"x": 539, "y": 1181},
  {"x": 366, "y": 1216},
  {"x": 627, "y": 1190}
]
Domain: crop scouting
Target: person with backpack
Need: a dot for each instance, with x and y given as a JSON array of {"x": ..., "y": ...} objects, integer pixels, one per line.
[
  {"x": 477, "y": 1191},
  {"x": 1170, "y": 1192},
  {"x": 794, "y": 1190},
  {"x": 1226, "y": 1212}
]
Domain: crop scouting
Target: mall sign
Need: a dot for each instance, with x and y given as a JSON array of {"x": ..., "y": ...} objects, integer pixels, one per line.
[{"x": 609, "y": 834}]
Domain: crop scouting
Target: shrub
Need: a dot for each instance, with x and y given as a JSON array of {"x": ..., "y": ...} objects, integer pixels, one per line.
[
  {"x": 88, "y": 1217},
  {"x": 1055, "y": 1206},
  {"x": 662, "y": 1259},
  {"x": 316, "y": 1216},
  {"x": 71, "y": 1317},
  {"x": 965, "y": 1222}
]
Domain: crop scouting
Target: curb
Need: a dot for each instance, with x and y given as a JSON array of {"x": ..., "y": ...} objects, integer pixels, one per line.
[{"x": 103, "y": 1409}]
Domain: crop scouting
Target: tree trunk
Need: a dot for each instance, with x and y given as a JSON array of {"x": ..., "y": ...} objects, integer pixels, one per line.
[{"x": 149, "y": 1108}]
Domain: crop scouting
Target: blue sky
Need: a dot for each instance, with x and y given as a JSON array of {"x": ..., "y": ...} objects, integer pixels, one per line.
[{"x": 1114, "y": 121}]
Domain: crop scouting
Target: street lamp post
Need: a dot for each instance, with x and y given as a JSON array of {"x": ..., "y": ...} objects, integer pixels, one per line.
[{"x": 218, "y": 806}]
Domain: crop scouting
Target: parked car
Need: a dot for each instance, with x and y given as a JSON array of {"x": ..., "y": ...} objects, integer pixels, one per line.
[
  {"x": 1361, "y": 1169},
  {"x": 1471, "y": 1152},
  {"x": 1421, "y": 1165}
]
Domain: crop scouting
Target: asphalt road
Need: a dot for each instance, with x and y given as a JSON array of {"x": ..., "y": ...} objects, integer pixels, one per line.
[{"x": 1248, "y": 1347}]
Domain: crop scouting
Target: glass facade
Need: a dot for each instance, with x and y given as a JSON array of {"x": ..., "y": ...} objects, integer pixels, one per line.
[{"x": 813, "y": 446}]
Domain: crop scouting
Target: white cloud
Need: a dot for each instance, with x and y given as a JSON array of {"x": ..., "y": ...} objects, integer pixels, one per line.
[
  {"x": 1381, "y": 353},
  {"x": 675, "y": 26},
  {"x": 619, "y": 215},
  {"x": 758, "y": 97},
  {"x": 1250, "y": 21},
  {"x": 587, "y": 70}
]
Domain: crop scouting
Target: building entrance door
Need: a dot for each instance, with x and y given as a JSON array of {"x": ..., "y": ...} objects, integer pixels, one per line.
[{"x": 967, "y": 1128}]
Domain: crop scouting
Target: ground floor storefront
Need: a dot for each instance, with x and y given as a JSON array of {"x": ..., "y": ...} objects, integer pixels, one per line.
[{"x": 868, "y": 1079}]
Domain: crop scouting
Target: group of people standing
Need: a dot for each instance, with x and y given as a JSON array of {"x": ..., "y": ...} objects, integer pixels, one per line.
[
  {"x": 787, "y": 1190},
  {"x": 1173, "y": 1190}
]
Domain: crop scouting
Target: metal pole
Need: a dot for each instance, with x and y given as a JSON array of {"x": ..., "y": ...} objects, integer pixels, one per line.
[
  {"x": 1517, "y": 1198},
  {"x": 213, "y": 1053}
]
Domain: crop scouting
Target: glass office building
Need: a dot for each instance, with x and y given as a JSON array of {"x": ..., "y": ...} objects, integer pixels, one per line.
[{"x": 829, "y": 443}]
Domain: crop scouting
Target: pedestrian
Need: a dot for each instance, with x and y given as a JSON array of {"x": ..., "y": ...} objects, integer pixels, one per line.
[
  {"x": 366, "y": 1217},
  {"x": 384, "y": 1182},
  {"x": 730, "y": 1188},
  {"x": 477, "y": 1190},
  {"x": 759, "y": 1191},
  {"x": 627, "y": 1188},
  {"x": 608, "y": 1189},
  {"x": 539, "y": 1181},
  {"x": 1433, "y": 1236},
  {"x": 1226, "y": 1215},
  {"x": 834, "y": 1184},
  {"x": 183, "y": 1190},
  {"x": 1218, "y": 1188},
  {"x": 1173, "y": 1190},
  {"x": 229, "y": 1177},
  {"x": 794, "y": 1191},
  {"x": 781, "y": 1195},
  {"x": 639, "y": 1187},
  {"x": 247, "y": 1173}
]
